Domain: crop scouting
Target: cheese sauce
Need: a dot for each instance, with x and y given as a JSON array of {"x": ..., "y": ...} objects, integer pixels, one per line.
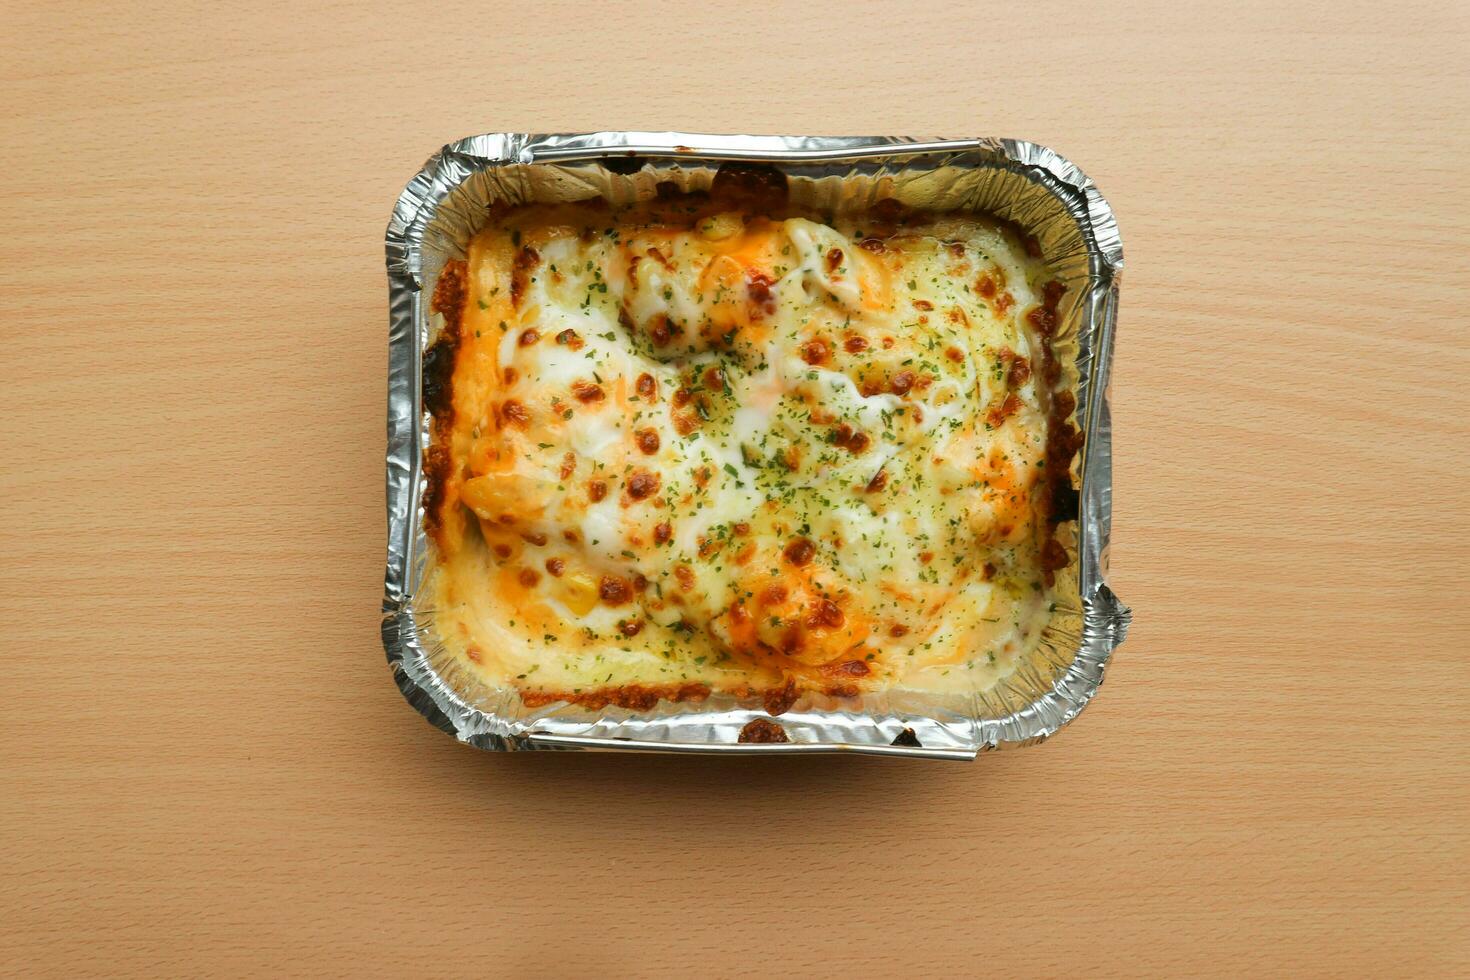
[{"x": 693, "y": 448}]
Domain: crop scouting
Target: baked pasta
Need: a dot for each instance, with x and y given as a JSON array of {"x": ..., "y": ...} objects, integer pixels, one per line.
[{"x": 715, "y": 443}]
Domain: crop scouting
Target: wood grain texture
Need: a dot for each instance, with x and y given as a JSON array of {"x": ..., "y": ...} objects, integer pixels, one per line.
[{"x": 206, "y": 769}]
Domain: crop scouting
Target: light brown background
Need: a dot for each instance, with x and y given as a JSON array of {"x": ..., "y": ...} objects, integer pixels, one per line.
[{"x": 204, "y": 766}]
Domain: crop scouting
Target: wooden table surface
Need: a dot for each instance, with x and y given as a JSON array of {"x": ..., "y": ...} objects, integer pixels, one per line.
[{"x": 206, "y": 768}]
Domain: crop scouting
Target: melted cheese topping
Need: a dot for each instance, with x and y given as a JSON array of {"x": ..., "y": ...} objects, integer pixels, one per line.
[{"x": 747, "y": 453}]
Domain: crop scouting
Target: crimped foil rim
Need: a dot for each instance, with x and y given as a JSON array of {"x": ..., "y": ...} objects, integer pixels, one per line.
[{"x": 1106, "y": 619}]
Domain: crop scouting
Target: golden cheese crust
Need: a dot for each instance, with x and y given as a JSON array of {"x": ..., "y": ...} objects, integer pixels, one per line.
[{"x": 711, "y": 443}]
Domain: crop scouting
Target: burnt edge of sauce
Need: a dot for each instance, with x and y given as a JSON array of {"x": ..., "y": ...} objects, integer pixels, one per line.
[
  {"x": 437, "y": 382},
  {"x": 634, "y": 697},
  {"x": 448, "y": 302},
  {"x": 907, "y": 737},
  {"x": 626, "y": 164},
  {"x": 762, "y": 731},
  {"x": 1065, "y": 502},
  {"x": 779, "y": 700},
  {"x": 760, "y": 185},
  {"x": 1063, "y": 440}
]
